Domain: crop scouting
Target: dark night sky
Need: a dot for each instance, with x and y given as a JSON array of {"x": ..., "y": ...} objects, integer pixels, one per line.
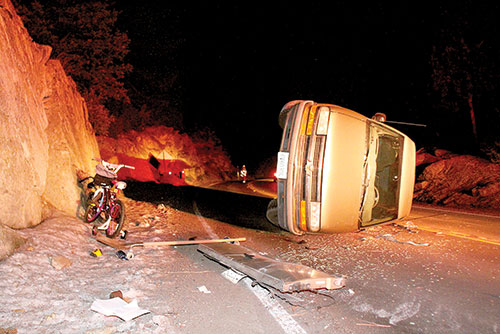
[{"x": 237, "y": 64}]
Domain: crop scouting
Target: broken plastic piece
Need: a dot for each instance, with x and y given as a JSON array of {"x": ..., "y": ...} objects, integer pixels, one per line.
[
  {"x": 204, "y": 289},
  {"x": 116, "y": 294},
  {"x": 96, "y": 252},
  {"x": 122, "y": 255}
]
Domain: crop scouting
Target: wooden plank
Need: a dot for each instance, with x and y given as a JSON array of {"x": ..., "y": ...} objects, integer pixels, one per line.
[
  {"x": 186, "y": 242},
  {"x": 115, "y": 243}
]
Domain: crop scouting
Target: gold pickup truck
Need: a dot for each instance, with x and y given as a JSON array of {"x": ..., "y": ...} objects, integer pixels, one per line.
[{"x": 339, "y": 171}]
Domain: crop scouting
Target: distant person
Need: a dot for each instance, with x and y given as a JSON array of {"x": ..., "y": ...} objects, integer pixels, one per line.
[{"x": 243, "y": 174}]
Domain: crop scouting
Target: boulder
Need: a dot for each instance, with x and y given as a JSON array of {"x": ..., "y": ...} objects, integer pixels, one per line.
[
  {"x": 9, "y": 241},
  {"x": 460, "y": 181}
]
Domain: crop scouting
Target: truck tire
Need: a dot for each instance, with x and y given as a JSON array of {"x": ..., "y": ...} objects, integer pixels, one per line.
[{"x": 272, "y": 212}]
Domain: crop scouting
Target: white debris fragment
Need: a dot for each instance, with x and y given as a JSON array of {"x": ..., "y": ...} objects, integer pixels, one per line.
[
  {"x": 233, "y": 276},
  {"x": 118, "y": 307},
  {"x": 204, "y": 289},
  {"x": 417, "y": 244}
]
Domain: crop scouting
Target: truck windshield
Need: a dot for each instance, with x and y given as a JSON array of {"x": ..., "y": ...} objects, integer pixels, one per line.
[{"x": 382, "y": 175}]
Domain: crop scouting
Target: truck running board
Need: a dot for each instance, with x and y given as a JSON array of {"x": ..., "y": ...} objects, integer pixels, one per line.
[{"x": 283, "y": 276}]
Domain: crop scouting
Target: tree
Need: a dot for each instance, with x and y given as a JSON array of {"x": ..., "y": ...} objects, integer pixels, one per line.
[
  {"x": 463, "y": 68},
  {"x": 452, "y": 76},
  {"x": 157, "y": 93},
  {"x": 92, "y": 50}
]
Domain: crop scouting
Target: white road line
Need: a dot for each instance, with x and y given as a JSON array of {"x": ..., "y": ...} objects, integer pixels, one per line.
[
  {"x": 457, "y": 211},
  {"x": 284, "y": 319},
  {"x": 203, "y": 221}
]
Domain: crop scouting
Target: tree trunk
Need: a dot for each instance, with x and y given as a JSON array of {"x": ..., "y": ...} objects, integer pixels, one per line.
[{"x": 473, "y": 118}]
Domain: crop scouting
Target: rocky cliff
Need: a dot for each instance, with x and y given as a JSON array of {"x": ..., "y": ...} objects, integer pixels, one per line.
[
  {"x": 162, "y": 154},
  {"x": 45, "y": 134}
]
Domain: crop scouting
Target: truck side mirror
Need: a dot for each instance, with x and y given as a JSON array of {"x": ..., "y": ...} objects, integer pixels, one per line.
[{"x": 379, "y": 117}]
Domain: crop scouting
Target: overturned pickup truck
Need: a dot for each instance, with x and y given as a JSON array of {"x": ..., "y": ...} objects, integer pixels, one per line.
[{"x": 339, "y": 171}]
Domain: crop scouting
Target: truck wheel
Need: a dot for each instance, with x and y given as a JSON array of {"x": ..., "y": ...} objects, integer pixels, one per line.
[{"x": 272, "y": 212}]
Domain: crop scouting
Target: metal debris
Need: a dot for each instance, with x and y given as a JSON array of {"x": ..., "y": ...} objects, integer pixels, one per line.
[
  {"x": 283, "y": 276},
  {"x": 390, "y": 237}
]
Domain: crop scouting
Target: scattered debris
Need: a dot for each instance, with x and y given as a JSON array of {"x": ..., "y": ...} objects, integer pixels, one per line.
[
  {"x": 372, "y": 324},
  {"x": 162, "y": 208},
  {"x": 8, "y": 331},
  {"x": 119, "y": 308},
  {"x": 60, "y": 262},
  {"x": 162, "y": 322},
  {"x": 124, "y": 256},
  {"x": 150, "y": 219},
  {"x": 96, "y": 252},
  {"x": 408, "y": 226},
  {"x": 298, "y": 242},
  {"x": 204, "y": 289},
  {"x": 116, "y": 294},
  {"x": 390, "y": 237},
  {"x": 417, "y": 244}
]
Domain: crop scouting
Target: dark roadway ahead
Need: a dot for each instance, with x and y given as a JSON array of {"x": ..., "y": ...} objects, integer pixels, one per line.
[{"x": 436, "y": 272}]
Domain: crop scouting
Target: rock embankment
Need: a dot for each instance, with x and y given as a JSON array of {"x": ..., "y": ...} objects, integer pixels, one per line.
[
  {"x": 45, "y": 134},
  {"x": 458, "y": 180}
]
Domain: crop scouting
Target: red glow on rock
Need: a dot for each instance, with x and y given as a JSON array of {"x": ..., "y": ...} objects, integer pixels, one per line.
[{"x": 167, "y": 171}]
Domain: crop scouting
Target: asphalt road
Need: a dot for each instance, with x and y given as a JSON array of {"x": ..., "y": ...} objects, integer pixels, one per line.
[{"x": 436, "y": 272}]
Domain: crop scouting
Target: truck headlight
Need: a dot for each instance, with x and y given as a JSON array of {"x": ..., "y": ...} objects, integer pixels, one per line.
[
  {"x": 315, "y": 216},
  {"x": 322, "y": 128}
]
